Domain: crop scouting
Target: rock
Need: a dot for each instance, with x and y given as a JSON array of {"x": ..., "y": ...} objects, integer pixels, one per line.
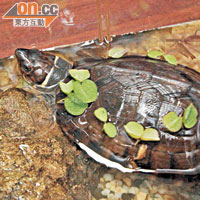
[
  {"x": 119, "y": 190},
  {"x": 111, "y": 197},
  {"x": 108, "y": 177},
  {"x": 112, "y": 185},
  {"x": 37, "y": 161},
  {"x": 100, "y": 186},
  {"x": 125, "y": 188},
  {"x": 133, "y": 190},
  {"x": 141, "y": 196},
  {"x": 119, "y": 175},
  {"x": 158, "y": 197},
  {"x": 97, "y": 193},
  {"x": 168, "y": 197},
  {"x": 137, "y": 182},
  {"x": 105, "y": 192},
  {"x": 128, "y": 196},
  {"x": 119, "y": 183},
  {"x": 127, "y": 181}
]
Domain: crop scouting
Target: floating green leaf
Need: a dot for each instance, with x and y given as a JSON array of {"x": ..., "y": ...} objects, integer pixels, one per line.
[
  {"x": 72, "y": 96},
  {"x": 190, "y": 116},
  {"x": 86, "y": 91},
  {"x": 110, "y": 129},
  {"x": 172, "y": 122},
  {"x": 134, "y": 129},
  {"x": 170, "y": 59},
  {"x": 150, "y": 134},
  {"x": 101, "y": 114},
  {"x": 154, "y": 54},
  {"x": 66, "y": 87},
  {"x": 79, "y": 74},
  {"x": 116, "y": 52},
  {"x": 73, "y": 105}
]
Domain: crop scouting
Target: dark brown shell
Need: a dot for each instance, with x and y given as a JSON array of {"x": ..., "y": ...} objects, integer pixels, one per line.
[{"x": 142, "y": 90}]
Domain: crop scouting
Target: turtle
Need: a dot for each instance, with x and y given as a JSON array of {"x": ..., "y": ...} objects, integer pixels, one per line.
[{"x": 134, "y": 88}]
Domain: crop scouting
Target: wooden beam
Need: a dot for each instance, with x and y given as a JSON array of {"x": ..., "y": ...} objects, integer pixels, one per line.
[{"x": 124, "y": 17}]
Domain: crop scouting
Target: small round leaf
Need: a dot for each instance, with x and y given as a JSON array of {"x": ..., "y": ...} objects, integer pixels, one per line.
[
  {"x": 170, "y": 59},
  {"x": 86, "y": 92},
  {"x": 72, "y": 96},
  {"x": 110, "y": 129},
  {"x": 79, "y": 74},
  {"x": 190, "y": 116},
  {"x": 150, "y": 134},
  {"x": 172, "y": 122},
  {"x": 73, "y": 105},
  {"x": 101, "y": 114},
  {"x": 134, "y": 129},
  {"x": 154, "y": 54},
  {"x": 66, "y": 87},
  {"x": 116, "y": 52}
]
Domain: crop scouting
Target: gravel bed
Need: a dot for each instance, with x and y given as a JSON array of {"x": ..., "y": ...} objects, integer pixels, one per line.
[{"x": 115, "y": 185}]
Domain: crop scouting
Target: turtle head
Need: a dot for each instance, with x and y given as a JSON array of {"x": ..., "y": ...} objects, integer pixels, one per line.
[{"x": 41, "y": 68}]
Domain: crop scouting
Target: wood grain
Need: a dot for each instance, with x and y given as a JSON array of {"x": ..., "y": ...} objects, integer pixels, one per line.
[{"x": 125, "y": 16}]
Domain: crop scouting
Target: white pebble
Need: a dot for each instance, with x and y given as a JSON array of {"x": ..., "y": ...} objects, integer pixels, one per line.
[
  {"x": 105, "y": 192},
  {"x": 113, "y": 185},
  {"x": 119, "y": 183},
  {"x": 111, "y": 197},
  {"x": 154, "y": 189},
  {"x": 100, "y": 186},
  {"x": 108, "y": 185},
  {"x": 158, "y": 197},
  {"x": 144, "y": 190},
  {"x": 141, "y": 196},
  {"x": 118, "y": 195},
  {"x": 108, "y": 177},
  {"x": 102, "y": 180},
  {"x": 125, "y": 188},
  {"x": 133, "y": 190},
  {"x": 162, "y": 190},
  {"x": 119, "y": 190}
]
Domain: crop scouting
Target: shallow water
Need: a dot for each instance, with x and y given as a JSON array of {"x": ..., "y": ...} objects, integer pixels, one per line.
[{"x": 182, "y": 41}]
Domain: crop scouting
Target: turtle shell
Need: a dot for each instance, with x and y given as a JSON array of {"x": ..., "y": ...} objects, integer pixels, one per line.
[{"x": 142, "y": 90}]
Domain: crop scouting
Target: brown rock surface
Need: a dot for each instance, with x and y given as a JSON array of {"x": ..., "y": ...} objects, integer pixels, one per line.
[{"x": 36, "y": 160}]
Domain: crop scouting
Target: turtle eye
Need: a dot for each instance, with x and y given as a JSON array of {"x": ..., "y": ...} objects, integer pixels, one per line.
[{"x": 26, "y": 68}]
